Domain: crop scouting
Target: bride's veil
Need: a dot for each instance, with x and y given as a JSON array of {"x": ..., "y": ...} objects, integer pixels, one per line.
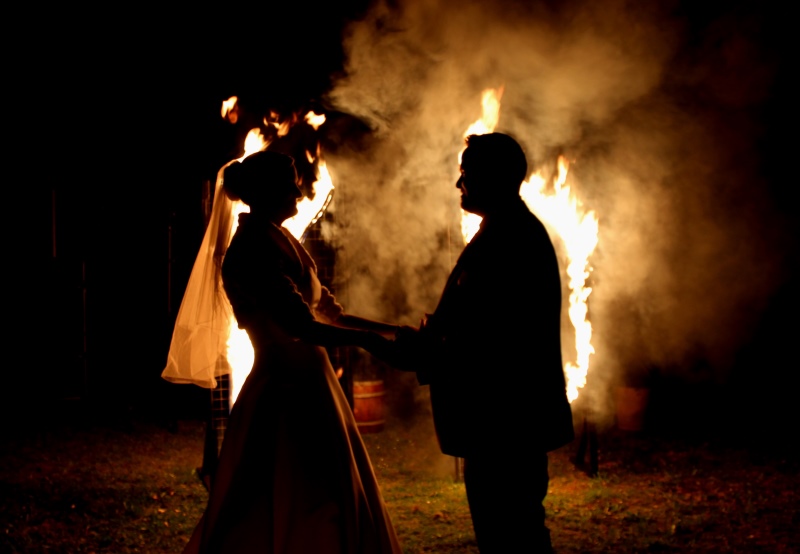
[{"x": 198, "y": 351}]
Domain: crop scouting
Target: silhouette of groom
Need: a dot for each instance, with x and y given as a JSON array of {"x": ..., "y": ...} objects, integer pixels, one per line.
[{"x": 491, "y": 353}]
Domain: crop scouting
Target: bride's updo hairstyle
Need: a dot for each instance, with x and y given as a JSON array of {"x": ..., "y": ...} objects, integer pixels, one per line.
[{"x": 256, "y": 178}]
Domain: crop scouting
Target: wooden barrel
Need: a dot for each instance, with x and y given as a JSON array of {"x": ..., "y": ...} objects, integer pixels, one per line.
[{"x": 369, "y": 405}]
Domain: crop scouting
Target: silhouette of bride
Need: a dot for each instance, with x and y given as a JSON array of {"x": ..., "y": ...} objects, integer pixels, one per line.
[{"x": 293, "y": 473}]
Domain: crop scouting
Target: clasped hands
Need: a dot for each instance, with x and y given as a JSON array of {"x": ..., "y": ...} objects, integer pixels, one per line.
[{"x": 404, "y": 352}]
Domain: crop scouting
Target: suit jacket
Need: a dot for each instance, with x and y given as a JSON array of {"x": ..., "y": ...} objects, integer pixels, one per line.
[{"x": 494, "y": 344}]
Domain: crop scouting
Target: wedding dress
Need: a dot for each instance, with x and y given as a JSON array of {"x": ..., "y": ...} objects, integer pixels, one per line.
[{"x": 294, "y": 475}]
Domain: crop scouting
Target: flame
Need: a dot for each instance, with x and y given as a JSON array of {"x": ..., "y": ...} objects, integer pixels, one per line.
[
  {"x": 240, "y": 352},
  {"x": 563, "y": 213},
  {"x": 253, "y": 142},
  {"x": 315, "y": 120},
  {"x": 309, "y": 211},
  {"x": 490, "y": 102},
  {"x": 283, "y": 127},
  {"x": 229, "y": 110}
]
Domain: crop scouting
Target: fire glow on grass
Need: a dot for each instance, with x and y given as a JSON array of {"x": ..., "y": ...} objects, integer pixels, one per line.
[
  {"x": 240, "y": 350},
  {"x": 561, "y": 211}
]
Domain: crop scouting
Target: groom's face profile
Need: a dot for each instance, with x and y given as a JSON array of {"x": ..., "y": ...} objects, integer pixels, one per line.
[{"x": 472, "y": 183}]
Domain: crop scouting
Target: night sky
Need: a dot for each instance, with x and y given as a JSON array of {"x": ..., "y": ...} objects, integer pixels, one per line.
[{"x": 129, "y": 105}]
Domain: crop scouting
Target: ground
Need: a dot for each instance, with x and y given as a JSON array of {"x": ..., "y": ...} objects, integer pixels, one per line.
[{"x": 80, "y": 487}]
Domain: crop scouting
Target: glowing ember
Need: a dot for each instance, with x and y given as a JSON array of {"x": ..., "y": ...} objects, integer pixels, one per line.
[{"x": 578, "y": 228}]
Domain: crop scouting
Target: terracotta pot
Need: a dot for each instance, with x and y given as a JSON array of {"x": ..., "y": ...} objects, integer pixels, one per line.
[{"x": 631, "y": 403}]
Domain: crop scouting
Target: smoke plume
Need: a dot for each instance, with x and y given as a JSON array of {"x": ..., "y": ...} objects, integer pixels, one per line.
[{"x": 657, "y": 113}]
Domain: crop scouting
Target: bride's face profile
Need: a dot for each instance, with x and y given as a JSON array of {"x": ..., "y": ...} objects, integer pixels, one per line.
[
  {"x": 287, "y": 194},
  {"x": 267, "y": 182}
]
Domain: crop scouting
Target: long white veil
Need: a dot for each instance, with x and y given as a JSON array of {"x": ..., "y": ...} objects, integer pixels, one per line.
[
  {"x": 201, "y": 340},
  {"x": 198, "y": 351}
]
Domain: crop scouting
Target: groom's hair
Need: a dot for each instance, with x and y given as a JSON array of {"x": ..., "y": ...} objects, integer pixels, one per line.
[{"x": 499, "y": 156}]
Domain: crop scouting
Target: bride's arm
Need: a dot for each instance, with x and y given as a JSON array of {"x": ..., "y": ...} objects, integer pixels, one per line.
[
  {"x": 356, "y": 322},
  {"x": 325, "y": 334},
  {"x": 330, "y": 311}
]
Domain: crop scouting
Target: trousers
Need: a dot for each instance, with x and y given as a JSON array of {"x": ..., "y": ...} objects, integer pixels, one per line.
[{"x": 505, "y": 503}]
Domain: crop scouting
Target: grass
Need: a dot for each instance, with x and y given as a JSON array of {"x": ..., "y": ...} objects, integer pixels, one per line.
[
  {"x": 650, "y": 494},
  {"x": 92, "y": 488},
  {"x": 100, "y": 490}
]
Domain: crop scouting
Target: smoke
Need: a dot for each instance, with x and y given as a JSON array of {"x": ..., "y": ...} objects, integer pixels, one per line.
[{"x": 658, "y": 114}]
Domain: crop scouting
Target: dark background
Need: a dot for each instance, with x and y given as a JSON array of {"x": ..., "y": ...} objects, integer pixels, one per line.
[
  {"x": 120, "y": 128},
  {"x": 120, "y": 115}
]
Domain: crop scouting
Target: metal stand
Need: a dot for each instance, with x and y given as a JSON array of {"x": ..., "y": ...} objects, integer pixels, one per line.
[
  {"x": 216, "y": 424},
  {"x": 587, "y": 442},
  {"x": 459, "y": 470}
]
